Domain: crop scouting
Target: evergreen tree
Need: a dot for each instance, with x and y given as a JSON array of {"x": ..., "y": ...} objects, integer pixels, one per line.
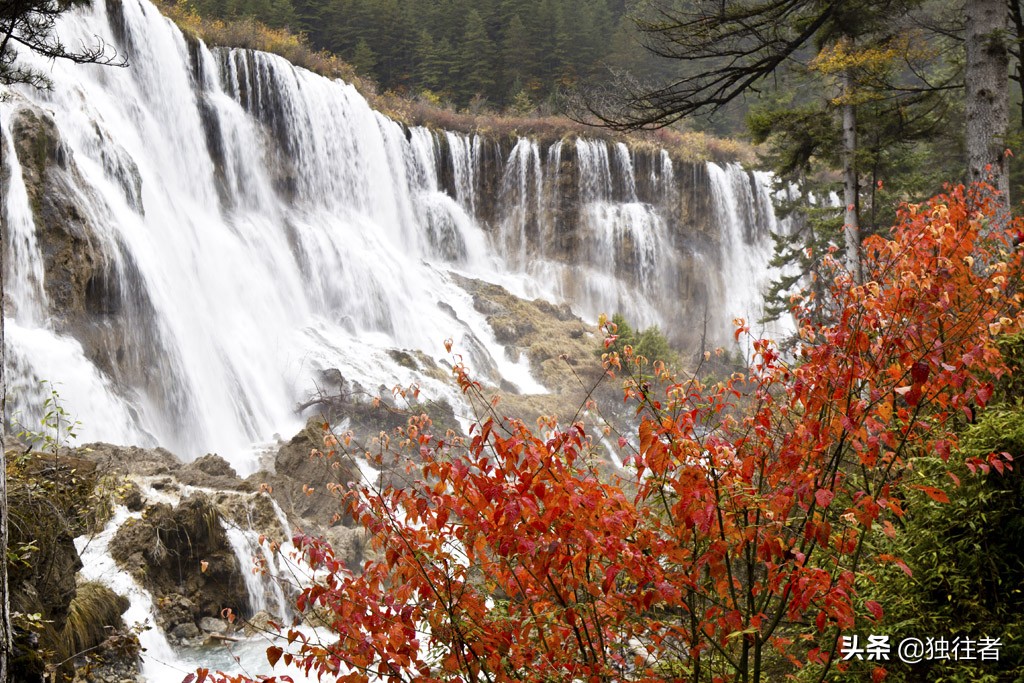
[
  {"x": 363, "y": 58},
  {"x": 475, "y": 64},
  {"x": 429, "y": 66},
  {"x": 515, "y": 56},
  {"x": 902, "y": 130},
  {"x": 30, "y": 25},
  {"x": 988, "y": 95},
  {"x": 311, "y": 18}
]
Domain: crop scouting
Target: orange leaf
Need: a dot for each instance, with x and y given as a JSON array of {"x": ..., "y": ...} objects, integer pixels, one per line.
[{"x": 938, "y": 495}]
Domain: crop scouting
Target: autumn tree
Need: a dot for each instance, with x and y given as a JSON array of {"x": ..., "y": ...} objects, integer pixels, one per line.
[{"x": 736, "y": 540}]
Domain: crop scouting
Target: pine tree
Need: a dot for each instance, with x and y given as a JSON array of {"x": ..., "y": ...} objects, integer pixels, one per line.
[
  {"x": 363, "y": 58},
  {"x": 515, "y": 56},
  {"x": 475, "y": 62},
  {"x": 430, "y": 71}
]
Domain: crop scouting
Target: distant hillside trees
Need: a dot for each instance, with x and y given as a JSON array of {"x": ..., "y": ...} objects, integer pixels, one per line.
[{"x": 498, "y": 51}]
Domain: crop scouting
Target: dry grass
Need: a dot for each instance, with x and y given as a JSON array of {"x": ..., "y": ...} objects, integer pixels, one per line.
[
  {"x": 93, "y": 616},
  {"x": 684, "y": 146}
]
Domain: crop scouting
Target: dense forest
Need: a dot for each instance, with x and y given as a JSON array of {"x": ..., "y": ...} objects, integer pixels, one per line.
[{"x": 507, "y": 53}]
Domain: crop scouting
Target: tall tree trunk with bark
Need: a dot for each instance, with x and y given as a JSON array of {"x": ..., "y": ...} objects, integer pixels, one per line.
[
  {"x": 851, "y": 199},
  {"x": 5, "y": 629},
  {"x": 988, "y": 96},
  {"x": 5, "y": 600}
]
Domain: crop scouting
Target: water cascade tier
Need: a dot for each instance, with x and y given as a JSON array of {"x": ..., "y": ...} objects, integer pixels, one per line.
[{"x": 193, "y": 240}]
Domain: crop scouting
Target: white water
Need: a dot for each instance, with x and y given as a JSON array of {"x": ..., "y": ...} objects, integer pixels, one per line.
[
  {"x": 162, "y": 663},
  {"x": 743, "y": 205},
  {"x": 159, "y": 660},
  {"x": 23, "y": 276},
  {"x": 263, "y": 223}
]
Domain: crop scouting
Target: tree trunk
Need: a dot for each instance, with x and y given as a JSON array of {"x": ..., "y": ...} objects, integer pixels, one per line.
[
  {"x": 1018, "y": 25},
  {"x": 5, "y": 601},
  {"x": 851, "y": 220},
  {"x": 988, "y": 97}
]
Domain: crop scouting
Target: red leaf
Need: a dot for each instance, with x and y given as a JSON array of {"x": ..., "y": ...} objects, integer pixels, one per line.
[
  {"x": 824, "y": 497},
  {"x": 938, "y": 495},
  {"x": 273, "y": 654},
  {"x": 874, "y": 608},
  {"x": 919, "y": 372}
]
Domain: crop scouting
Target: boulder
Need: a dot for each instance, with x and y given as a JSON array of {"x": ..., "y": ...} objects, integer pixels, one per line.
[
  {"x": 182, "y": 556},
  {"x": 212, "y": 471}
]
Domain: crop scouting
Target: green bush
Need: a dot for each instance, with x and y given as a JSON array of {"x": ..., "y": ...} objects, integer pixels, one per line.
[
  {"x": 966, "y": 556},
  {"x": 651, "y": 343}
]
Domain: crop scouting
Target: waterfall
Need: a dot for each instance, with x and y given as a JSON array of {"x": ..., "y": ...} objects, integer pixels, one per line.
[
  {"x": 159, "y": 661},
  {"x": 221, "y": 226},
  {"x": 24, "y": 266},
  {"x": 743, "y": 207},
  {"x": 259, "y": 570}
]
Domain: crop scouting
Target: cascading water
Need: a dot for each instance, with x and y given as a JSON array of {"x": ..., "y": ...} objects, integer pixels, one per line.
[
  {"x": 743, "y": 206},
  {"x": 261, "y": 578},
  {"x": 241, "y": 225},
  {"x": 191, "y": 241},
  {"x": 161, "y": 662}
]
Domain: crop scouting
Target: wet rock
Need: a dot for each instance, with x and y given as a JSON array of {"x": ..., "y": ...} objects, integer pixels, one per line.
[
  {"x": 404, "y": 358},
  {"x": 133, "y": 499},
  {"x": 94, "y": 288},
  {"x": 332, "y": 378},
  {"x": 213, "y": 625},
  {"x": 182, "y": 556},
  {"x": 508, "y": 330},
  {"x": 260, "y": 623},
  {"x": 296, "y": 467},
  {"x": 212, "y": 471},
  {"x": 187, "y": 631},
  {"x": 144, "y": 462},
  {"x": 214, "y": 465},
  {"x": 508, "y": 387},
  {"x": 486, "y": 306}
]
